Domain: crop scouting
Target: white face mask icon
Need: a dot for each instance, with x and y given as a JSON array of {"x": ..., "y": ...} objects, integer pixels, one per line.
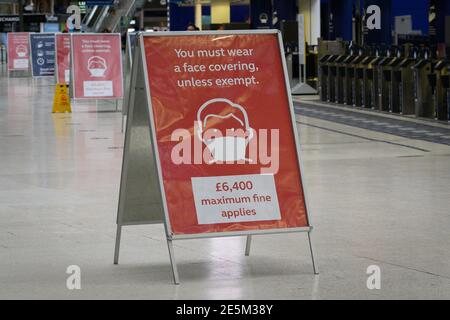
[
  {"x": 231, "y": 147},
  {"x": 97, "y": 66},
  {"x": 21, "y": 51}
]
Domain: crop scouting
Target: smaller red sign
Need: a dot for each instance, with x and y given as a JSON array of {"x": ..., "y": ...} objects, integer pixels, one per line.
[
  {"x": 97, "y": 66},
  {"x": 63, "y": 58},
  {"x": 18, "y": 51}
]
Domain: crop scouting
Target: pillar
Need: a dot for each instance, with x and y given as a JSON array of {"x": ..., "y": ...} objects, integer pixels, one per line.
[
  {"x": 316, "y": 23},
  {"x": 198, "y": 14},
  {"x": 311, "y": 10}
]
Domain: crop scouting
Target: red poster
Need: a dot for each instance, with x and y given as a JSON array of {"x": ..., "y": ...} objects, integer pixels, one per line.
[
  {"x": 225, "y": 138},
  {"x": 97, "y": 66},
  {"x": 18, "y": 51},
  {"x": 62, "y": 57}
]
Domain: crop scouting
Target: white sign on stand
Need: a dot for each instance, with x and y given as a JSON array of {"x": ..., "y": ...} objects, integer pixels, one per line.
[{"x": 96, "y": 67}]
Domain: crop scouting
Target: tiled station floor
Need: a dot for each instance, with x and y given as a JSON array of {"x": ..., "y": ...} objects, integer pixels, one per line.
[{"x": 376, "y": 198}]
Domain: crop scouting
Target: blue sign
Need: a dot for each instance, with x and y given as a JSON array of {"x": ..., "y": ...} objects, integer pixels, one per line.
[
  {"x": 42, "y": 47},
  {"x": 51, "y": 27},
  {"x": 99, "y": 3}
]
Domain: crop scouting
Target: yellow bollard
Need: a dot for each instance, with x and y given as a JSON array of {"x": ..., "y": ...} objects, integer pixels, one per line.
[{"x": 61, "y": 101}]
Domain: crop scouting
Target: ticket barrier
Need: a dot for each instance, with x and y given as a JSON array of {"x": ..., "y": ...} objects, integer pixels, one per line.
[
  {"x": 348, "y": 73},
  {"x": 423, "y": 104},
  {"x": 384, "y": 76},
  {"x": 370, "y": 82},
  {"x": 440, "y": 90},
  {"x": 448, "y": 104},
  {"x": 360, "y": 96},
  {"x": 360, "y": 86},
  {"x": 414, "y": 83},
  {"x": 358, "y": 80},
  {"x": 448, "y": 93},
  {"x": 394, "y": 82},
  {"x": 336, "y": 81},
  {"x": 332, "y": 78},
  {"x": 324, "y": 73},
  {"x": 329, "y": 53},
  {"x": 404, "y": 76}
]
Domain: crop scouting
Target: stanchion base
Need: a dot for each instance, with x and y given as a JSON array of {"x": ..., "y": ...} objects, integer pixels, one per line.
[{"x": 303, "y": 89}]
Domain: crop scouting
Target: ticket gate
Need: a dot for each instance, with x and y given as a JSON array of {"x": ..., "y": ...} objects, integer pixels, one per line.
[
  {"x": 348, "y": 74},
  {"x": 422, "y": 89},
  {"x": 390, "y": 86},
  {"x": 404, "y": 77},
  {"x": 331, "y": 78},
  {"x": 329, "y": 53},
  {"x": 448, "y": 104},
  {"x": 384, "y": 76},
  {"x": 362, "y": 80},
  {"x": 338, "y": 70},
  {"x": 448, "y": 93},
  {"x": 440, "y": 91},
  {"x": 448, "y": 101},
  {"x": 356, "y": 80},
  {"x": 414, "y": 83},
  {"x": 401, "y": 85},
  {"x": 443, "y": 112},
  {"x": 370, "y": 82},
  {"x": 323, "y": 77},
  {"x": 394, "y": 86}
]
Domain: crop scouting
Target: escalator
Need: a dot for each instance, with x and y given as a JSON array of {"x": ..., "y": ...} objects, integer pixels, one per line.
[{"x": 102, "y": 18}]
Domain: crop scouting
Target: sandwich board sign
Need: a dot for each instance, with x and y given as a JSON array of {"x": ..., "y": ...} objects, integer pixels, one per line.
[
  {"x": 211, "y": 146},
  {"x": 62, "y": 71},
  {"x": 42, "y": 49},
  {"x": 96, "y": 65},
  {"x": 18, "y": 51}
]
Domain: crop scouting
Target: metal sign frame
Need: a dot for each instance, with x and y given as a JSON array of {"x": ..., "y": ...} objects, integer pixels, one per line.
[
  {"x": 128, "y": 65},
  {"x": 72, "y": 75},
  {"x": 31, "y": 54},
  {"x": 139, "y": 198},
  {"x": 56, "y": 57},
  {"x": 140, "y": 87},
  {"x": 26, "y": 72}
]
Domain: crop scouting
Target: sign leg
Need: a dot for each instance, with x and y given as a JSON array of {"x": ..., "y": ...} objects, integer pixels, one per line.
[
  {"x": 123, "y": 122},
  {"x": 315, "y": 268},
  {"x": 117, "y": 246},
  {"x": 176, "y": 278},
  {"x": 248, "y": 245}
]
